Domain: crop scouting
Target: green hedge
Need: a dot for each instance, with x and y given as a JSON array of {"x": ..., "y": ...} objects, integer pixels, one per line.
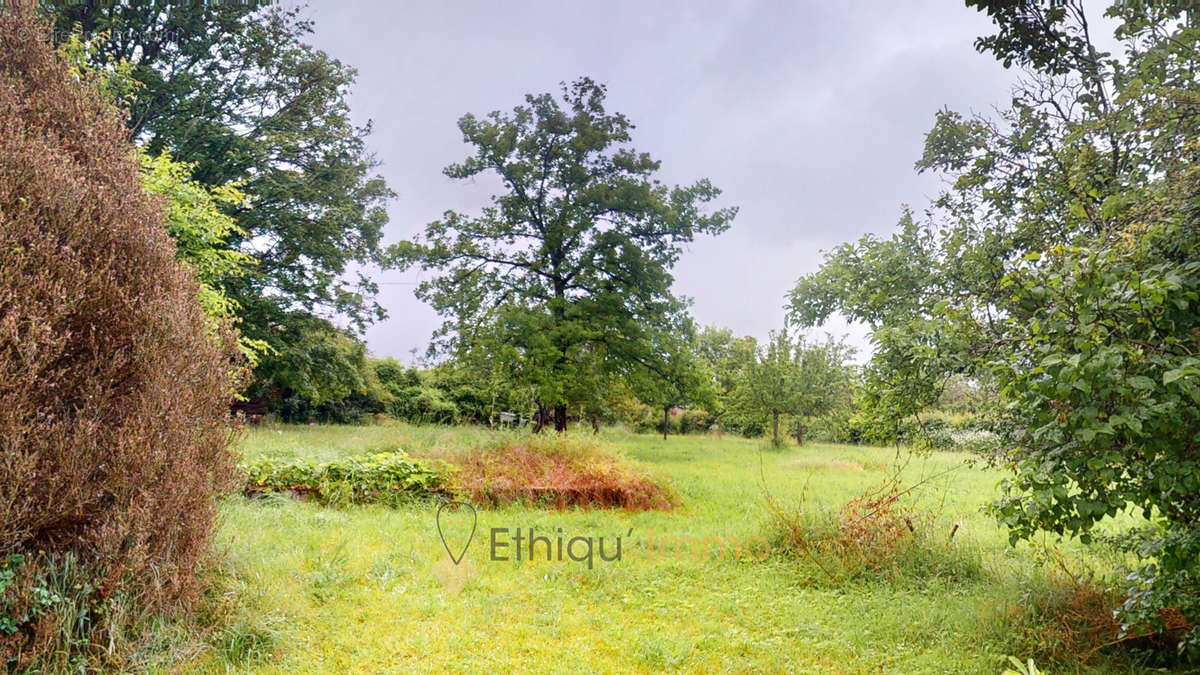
[{"x": 385, "y": 477}]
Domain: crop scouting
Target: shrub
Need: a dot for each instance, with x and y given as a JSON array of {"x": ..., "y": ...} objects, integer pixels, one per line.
[
  {"x": 1069, "y": 619},
  {"x": 114, "y": 387},
  {"x": 977, "y": 442},
  {"x": 387, "y": 477},
  {"x": 693, "y": 421},
  {"x": 555, "y": 472},
  {"x": 876, "y": 534}
]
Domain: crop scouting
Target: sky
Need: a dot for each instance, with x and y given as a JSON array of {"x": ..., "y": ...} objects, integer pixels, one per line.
[{"x": 808, "y": 115}]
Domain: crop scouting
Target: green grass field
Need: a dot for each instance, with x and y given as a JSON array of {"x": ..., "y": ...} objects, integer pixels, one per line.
[{"x": 370, "y": 589}]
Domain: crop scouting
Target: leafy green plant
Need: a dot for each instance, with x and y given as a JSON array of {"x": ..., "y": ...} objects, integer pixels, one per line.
[{"x": 387, "y": 477}]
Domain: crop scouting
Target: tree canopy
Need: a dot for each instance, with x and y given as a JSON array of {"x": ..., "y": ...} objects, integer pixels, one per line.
[
  {"x": 233, "y": 91},
  {"x": 567, "y": 273},
  {"x": 1060, "y": 265}
]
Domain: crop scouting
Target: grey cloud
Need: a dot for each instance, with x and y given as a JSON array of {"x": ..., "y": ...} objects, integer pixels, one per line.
[{"x": 809, "y": 115}]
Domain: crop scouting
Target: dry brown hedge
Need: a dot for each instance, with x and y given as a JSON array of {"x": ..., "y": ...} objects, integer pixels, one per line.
[{"x": 114, "y": 389}]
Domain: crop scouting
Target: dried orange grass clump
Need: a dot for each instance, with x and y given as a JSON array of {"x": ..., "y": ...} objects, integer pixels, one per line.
[
  {"x": 876, "y": 525},
  {"x": 869, "y": 530},
  {"x": 1074, "y": 622},
  {"x": 114, "y": 386},
  {"x": 559, "y": 473}
]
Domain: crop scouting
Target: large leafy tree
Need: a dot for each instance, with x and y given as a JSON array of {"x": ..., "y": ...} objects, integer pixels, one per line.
[
  {"x": 233, "y": 91},
  {"x": 566, "y": 273},
  {"x": 1061, "y": 263}
]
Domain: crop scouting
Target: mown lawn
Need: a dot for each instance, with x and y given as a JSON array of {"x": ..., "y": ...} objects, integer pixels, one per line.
[{"x": 369, "y": 589}]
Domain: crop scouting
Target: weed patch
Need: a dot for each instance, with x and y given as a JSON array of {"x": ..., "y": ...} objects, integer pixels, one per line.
[
  {"x": 387, "y": 477},
  {"x": 1068, "y": 619},
  {"x": 556, "y": 473},
  {"x": 877, "y": 533}
]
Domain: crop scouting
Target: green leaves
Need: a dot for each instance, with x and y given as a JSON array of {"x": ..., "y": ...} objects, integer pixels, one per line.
[
  {"x": 795, "y": 378},
  {"x": 565, "y": 277},
  {"x": 1062, "y": 265},
  {"x": 388, "y": 477},
  {"x": 233, "y": 92}
]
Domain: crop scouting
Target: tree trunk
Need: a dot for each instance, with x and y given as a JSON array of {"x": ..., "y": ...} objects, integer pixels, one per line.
[
  {"x": 540, "y": 422},
  {"x": 775, "y": 428},
  {"x": 666, "y": 421},
  {"x": 560, "y": 418},
  {"x": 799, "y": 434}
]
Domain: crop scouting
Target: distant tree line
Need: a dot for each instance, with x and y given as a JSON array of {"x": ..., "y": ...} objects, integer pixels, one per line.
[{"x": 557, "y": 295}]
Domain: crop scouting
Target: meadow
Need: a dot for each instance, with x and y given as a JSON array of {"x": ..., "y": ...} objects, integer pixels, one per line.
[{"x": 311, "y": 588}]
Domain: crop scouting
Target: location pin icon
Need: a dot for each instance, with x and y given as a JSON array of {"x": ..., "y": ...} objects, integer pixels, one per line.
[{"x": 452, "y": 507}]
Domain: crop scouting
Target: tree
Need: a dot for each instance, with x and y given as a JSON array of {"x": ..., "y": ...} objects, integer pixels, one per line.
[
  {"x": 672, "y": 374},
  {"x": 567, "y": 273},
  {"x": 768, "y": 386},
  {"x": 727, "y": 357},
  {"x": 823, "y": 381},
  {"x": 232, "y": 91},
  {"x": 323, "y": 373},
  {"x": 789, "y": 377},
  {"x": 1060, "y": 266},
  {"x": 194, "y": 213}
]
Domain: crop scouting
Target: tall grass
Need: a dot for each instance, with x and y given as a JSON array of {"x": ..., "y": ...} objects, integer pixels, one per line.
[
  {"x": 552, "y": 471},
  {"x": 309, "y": 579}
]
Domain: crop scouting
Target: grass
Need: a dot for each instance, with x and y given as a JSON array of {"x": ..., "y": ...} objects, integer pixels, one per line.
[{"x": 369, "y": 588}]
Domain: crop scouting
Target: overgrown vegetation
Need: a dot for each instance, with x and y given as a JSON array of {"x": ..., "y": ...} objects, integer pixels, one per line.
[
  {"x": 1059, "y": 267},
  {"x": 937, "y": 604},
  {"x": 114, "y": 384},
  {"x": 391, "y": 478},
  {"x": 558, "y": 473},
  {"x": 876, "y": 534}
]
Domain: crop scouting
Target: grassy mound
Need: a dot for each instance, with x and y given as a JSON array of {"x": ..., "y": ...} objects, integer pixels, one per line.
[{"x": 554, "y": 472}]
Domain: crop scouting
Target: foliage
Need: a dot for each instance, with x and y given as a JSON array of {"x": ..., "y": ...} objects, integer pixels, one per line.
[
  {"x": 1059, "y": 268},
  {"x": 564, "y": 276},
  {"x": 556, "y": 472},
  {"x": 282, "y": 552},
  {"x": 875, "y": 534},
  {"x": 201, "y": 230},
  {"x": 195, "y": 214},
  {"x": 322, "y": 373},
  {"x": 794, "y": 378},
  {"x": 415, "y": 396},
  {"x": 390, "y": 477},
  {"x": 670, "y": 374},
  {"x": 232, "y": 91},
  {"x": 114, "y": 384},
  {"x": 727, "y": 357}
]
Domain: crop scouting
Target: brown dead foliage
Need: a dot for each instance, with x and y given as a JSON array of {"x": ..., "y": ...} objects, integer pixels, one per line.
[
  {"x": 114, "y": 387},
  {"x": 557, "y": 473}
]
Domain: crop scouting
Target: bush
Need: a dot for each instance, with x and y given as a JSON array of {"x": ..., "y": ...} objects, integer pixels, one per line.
[
  {"x": 387, "y": 477},
  {"x": 555, "y": 472},
  {"x": 875, "y": 535},
  {"x": 694, "y": 421},
  {"x": 114, "y": 386}
]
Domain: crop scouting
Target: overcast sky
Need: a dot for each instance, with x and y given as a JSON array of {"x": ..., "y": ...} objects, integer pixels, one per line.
[{"x": 808, "y": 115}]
